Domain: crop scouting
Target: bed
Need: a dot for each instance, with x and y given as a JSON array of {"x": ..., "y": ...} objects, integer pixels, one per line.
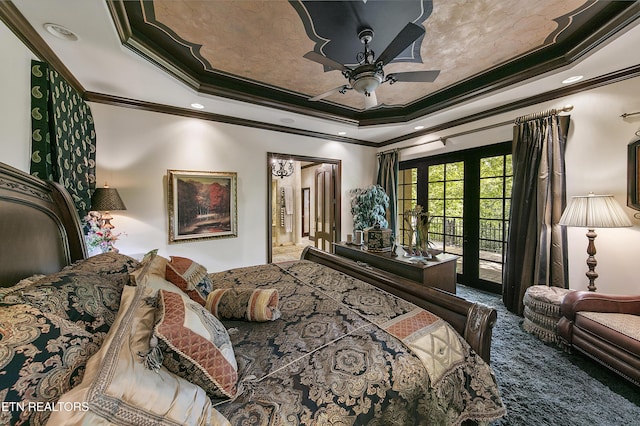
[{"x": 322, "y": 340}]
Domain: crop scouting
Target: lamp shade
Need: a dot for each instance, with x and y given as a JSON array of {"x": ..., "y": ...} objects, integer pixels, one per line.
[
  {"x": 594, "y": 211},
  {"x": 106, "y": 199}
]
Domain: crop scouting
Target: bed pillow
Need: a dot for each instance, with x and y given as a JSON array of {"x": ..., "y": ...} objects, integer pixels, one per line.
[
  {"x": 112, "y": 265},
  {"x": 190, "y": 277},
  {"x": 42, "y": 356},
  {"x": 244, "y": 304},
  {"x": 195, "y": 345},
  {"x": 83, "y": 297},
  {"x": 151, "y": 264},
  {"x": 117, "y": 389}
]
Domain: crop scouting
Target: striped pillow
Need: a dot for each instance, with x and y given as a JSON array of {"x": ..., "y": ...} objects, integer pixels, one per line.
[{"x": 244, "y": 304}]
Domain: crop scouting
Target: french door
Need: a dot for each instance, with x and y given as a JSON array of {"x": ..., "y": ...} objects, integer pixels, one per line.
[{"x": 468, "y": 194}]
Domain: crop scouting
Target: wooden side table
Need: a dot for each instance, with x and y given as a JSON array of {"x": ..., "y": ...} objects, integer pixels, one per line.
[{"x": 439, "y": 273}]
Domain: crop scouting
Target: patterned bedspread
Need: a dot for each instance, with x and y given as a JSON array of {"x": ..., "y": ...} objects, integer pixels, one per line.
[{"x": 347, "y": 353}]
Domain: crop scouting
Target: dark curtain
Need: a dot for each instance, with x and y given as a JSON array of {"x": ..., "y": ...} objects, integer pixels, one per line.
[
  {"x": 63, "y": 138},
  {"x": 536, "y": 246},
  {"x": 388, "y": 169}
]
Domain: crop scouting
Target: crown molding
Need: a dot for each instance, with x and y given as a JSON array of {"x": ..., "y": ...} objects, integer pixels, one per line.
[{"x": 219, "y": 118}]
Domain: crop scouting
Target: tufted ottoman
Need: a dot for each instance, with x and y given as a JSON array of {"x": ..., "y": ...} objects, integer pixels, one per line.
[{"x": 542, "y": 312}]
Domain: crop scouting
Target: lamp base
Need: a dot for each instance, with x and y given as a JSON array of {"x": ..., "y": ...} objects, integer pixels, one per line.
[{"x": 591, "y": 260}]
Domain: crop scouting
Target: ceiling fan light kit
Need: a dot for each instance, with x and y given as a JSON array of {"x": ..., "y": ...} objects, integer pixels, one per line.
[{"x": 369, "y": 74}]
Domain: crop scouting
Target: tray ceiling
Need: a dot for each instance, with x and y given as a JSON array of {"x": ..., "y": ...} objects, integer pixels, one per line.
[{"x": 253, "y": 50}]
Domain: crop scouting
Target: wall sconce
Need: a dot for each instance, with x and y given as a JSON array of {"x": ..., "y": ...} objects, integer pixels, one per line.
[
  {"x": 105, "y": 200},
  {"x": 281, "y": 168}
]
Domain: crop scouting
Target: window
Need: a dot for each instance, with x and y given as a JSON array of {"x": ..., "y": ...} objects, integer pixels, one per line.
[
  {"x": 496, "y": 176},
  {"x": 407, "y": 196},
  {"x": 445, "y": 195}
]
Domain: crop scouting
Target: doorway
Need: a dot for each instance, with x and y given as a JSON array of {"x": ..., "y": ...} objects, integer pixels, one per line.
[{"x": 304, "y": 203}]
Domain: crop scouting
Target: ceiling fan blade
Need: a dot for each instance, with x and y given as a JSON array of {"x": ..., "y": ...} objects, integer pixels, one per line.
[
  {"x": 415, "y": 76},
  {"x": 316, "y": 57},
  {"x": 370, "y": 101},
  {"x": 408, "y": 35},
  {"x": 330, "y": 92}
]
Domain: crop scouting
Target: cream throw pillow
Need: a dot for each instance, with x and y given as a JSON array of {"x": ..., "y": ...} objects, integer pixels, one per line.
[{"x": 117, "y": 387}]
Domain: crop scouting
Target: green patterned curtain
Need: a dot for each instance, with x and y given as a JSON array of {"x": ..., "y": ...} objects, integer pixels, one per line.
[{"x": 63, "y": 138}]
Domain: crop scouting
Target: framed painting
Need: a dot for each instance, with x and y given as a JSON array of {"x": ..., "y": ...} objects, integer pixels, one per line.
[{"x": 202, "y": 205}]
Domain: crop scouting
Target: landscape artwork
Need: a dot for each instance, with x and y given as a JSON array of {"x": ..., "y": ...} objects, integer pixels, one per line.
[{"x": 202, "y": 205}]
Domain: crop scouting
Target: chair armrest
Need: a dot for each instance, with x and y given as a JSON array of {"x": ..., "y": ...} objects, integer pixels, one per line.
[{"x": 577, "y": 301}]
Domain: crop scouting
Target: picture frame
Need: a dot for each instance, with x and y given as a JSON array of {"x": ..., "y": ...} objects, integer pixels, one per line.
[
  {"x": 202, "y": 205},
  {"x": 633, "y": 175}
]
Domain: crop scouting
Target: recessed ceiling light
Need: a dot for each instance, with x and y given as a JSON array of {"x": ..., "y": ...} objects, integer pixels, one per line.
[
  {"x": 342, "y": 133},
  {"x": 572, "y": 79},
  {"x": 60, "y": 32},
  {"x": 197, "y": 105},
  {"x": 418, "y": 128}
]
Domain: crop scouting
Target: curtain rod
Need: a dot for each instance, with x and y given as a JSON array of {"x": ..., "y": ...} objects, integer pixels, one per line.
[
  {"x": 627, "y": 114},
  {"x": 543, "y": 114},
  {"x": 443, "y": 139}
]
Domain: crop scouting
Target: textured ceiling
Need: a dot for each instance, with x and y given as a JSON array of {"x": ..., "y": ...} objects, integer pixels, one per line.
[{"x": 253, "y": 50}]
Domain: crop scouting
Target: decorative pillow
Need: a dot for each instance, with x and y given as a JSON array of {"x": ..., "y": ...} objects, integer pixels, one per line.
[
  {"x": 190, "y": 277},
  {"x": 248, "y": 304},
  {"x": 86, "y": 298},
  {"x": 41, "y": 357},
  {"x": 152, "y": 264},
  {"x": 112, "y": 265},
  {"x": 117, "y": 389},
  {"x": 196, "y": 346}
]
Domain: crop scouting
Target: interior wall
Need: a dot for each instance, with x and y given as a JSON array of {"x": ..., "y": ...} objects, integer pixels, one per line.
[
  {"x": 15, "y": 82},
  {"x": 596, "y": 161},
  {"x": 136, "y": 148}
]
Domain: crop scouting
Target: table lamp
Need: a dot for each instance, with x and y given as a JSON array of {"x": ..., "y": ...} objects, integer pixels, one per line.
[
  {"x": 105, "y": 200},
  {"x": 594, "y": 211}
]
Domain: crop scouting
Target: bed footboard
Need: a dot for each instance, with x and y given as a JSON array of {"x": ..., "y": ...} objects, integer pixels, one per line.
[{"x": 473, "y": 321}]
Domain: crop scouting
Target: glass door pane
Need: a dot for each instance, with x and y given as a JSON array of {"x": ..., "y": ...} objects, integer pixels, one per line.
[
  {"x": 407, "y": 200},
  {"x": 445, "y": 192},
  {"x": 495, "y": 196}
]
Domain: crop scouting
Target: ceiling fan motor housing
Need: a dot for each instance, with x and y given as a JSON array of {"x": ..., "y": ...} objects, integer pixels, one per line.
[
  {"x": 366, "y": 78},
  {"x": 366, "y": 35}
]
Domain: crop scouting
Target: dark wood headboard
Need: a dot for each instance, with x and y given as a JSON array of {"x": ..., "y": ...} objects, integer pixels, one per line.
[{"x": 40, "y": 231}]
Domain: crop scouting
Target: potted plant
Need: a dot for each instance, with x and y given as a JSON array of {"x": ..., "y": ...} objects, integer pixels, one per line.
[{"x": 369, "y": 206}]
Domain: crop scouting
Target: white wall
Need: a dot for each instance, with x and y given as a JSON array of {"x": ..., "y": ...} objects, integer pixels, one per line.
[
  {"x": 15, "y": 101},
  {"x": 596, "y": 161},
  {"x": 136, "y": 148}
]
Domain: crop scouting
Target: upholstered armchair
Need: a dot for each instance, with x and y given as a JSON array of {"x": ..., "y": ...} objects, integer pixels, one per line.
[{"x": 604, "y": 327}]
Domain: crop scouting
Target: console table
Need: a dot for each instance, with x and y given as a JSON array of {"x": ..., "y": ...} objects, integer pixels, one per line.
[{"x": 439, "y": 272}]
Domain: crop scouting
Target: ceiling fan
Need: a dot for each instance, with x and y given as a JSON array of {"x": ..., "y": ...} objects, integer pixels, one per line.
[{"x": 369, "y": 74}]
